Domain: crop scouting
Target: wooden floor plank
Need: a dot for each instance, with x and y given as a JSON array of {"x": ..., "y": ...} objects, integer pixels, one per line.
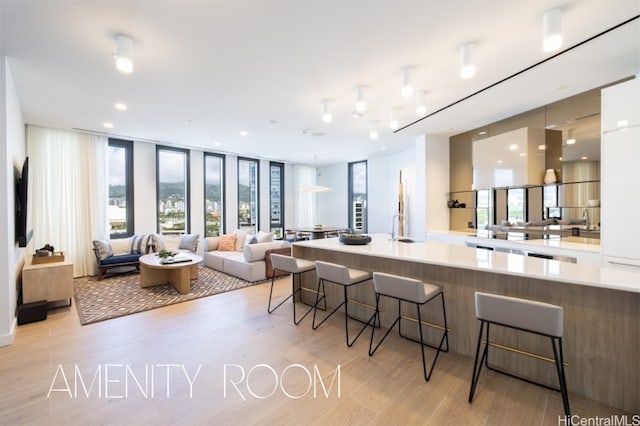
[{"x": 234, "y": 330}]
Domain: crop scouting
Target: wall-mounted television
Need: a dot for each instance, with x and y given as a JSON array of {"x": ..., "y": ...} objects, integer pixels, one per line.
[{"x": 23, "y": 234}]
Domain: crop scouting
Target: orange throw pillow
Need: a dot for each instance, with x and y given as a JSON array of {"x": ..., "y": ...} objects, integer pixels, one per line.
[{"x": 227, "y": 242}]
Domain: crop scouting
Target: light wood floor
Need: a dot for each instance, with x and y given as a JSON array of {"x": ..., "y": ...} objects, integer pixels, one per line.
[{"x": 234, "y": 328}]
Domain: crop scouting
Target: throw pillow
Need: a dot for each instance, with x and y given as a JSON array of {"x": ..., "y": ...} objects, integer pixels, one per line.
[
  {"x": 189, "y": 242},
  {"x": 227, "y": 242},
  {"x": 139, "y": 244},
  {"x": 103, "y": 247},
  {"x": 121, "y": 246},
  {"x": 252, "y": 240},
  {"x": 265, "y": 237},
  {"x": 156, "y": 241},
  {"x": 241, "y": 235}
]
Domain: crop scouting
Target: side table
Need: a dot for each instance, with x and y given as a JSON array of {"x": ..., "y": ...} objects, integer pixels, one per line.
[{"x": 47, "y": 281}]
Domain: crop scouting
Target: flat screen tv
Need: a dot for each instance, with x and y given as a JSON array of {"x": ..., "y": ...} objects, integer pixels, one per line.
[{"x": 23, "y": 234}]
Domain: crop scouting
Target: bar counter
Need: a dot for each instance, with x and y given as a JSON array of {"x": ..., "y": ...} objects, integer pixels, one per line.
[{"x": 601, "y": 308}]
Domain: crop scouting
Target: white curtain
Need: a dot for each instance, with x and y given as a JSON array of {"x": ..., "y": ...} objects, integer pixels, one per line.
[
  {"x": 68, "y": 192},
  {"x": 305, "y": 176}
]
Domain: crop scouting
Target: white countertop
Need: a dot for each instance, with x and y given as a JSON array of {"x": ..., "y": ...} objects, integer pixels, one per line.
[{"x": 437, "y": 253}]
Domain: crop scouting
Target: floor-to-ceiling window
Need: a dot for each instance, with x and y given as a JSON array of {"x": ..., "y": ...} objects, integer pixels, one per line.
[
  {"x": 120, "y": 209},
  {"x": 358, "y": 196},
  {"x": 248, "y": 193},
  {"x": 172, "y": 181},
  {"x": 276, "y": 199},
  {"x": 213, "y": 194}
]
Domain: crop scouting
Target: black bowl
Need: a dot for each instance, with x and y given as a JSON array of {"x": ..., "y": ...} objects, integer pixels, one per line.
[{"x": 354, "y": 239}]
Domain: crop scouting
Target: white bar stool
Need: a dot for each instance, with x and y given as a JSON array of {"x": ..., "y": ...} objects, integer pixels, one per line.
[
  {"x": 534, "y": 317},
  {"x": 346, "y": 277},
  {"x": 411, "y": 291},
  {"x": 295, "y": 267}
]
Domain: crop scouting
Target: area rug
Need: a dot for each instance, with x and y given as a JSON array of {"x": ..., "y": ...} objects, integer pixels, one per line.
[{"x": 121, "y": 295}]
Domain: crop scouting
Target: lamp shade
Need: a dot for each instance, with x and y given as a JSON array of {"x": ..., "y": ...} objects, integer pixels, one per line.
[{"x": 467, "y": 67}]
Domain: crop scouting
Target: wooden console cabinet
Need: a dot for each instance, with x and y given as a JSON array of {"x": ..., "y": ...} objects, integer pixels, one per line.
[{"x": 47, "y": 281}]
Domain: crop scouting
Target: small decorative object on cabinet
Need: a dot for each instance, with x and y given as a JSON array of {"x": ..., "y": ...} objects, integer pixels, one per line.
[{"x": 550, "y": 176}]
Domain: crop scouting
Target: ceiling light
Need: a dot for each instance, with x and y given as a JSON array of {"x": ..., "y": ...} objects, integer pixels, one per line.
[
  {"x": 108, "y": 125},
  {"x": 482, "y": 133},
  {"x": 383, "y": 148},
  {"x": 373, "y": 131},
  {"x": 552, "y": 29},
  {"x": 407, "y": 88},
  {"x": 622, "y": 123},
  {"x": 542, "y": 147},
  {"x": 499, "y": 161},
  {"x": 217, "y": 144},
  {"x": 421, "y": 103},
  {"x": 584, "y": 157},
  {"x": 513, "y": 147},
  {"x": 467, "y": 67},
  {"x": 124, "y": 55},
  {"x": 244, "y": 133},
  {"x": 361, "y": 105},
  {"x": 393, "y": 120},
  {"x": 120, "y": 106},
  {"x": 326, "y": 114},
  {"x": 522, "y": 154},
  {"x": 570, "y": 139}
]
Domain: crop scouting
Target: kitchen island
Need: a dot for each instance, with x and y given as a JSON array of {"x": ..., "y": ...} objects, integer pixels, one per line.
[{"x": 601, "y": 307}]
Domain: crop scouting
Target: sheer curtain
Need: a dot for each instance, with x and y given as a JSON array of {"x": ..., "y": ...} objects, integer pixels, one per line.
[
  {"x": 68, "y": 192},
  {"x": 305, "y": 201}
]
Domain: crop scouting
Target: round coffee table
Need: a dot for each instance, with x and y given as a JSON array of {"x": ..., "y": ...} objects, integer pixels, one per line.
[{"x": 178, "y": 274}]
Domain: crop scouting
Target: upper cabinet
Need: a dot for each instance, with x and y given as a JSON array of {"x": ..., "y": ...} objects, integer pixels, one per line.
[
  {"x": 620, "y": 175},
  {"x": 621, "y": 106}
]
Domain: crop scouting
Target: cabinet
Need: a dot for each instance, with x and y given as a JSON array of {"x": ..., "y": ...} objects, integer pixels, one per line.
[
  {"x": 47, "y": 281},
  {"x": 620, "y": 157}
]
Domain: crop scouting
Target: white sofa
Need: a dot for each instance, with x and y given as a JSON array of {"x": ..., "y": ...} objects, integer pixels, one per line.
[{"x": 246, "y": 262}]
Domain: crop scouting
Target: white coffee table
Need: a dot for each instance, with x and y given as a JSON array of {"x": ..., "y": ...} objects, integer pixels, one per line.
[{"x": 178, "y": 274}]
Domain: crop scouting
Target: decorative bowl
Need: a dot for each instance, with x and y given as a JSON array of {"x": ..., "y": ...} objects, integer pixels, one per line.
[{"x": 354, "y": 239}]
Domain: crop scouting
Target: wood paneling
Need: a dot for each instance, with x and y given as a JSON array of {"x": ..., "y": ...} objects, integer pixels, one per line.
[{"x": 602, "y": 327}]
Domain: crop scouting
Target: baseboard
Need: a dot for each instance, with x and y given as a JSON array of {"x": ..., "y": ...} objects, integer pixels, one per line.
[{"x": 8, "y": 338}]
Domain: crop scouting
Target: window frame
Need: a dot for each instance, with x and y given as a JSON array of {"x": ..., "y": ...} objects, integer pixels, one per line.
[
  {"x": 279, "y": 225},
  {"x": 127, "y": 145},
  {"x": 257, "y": 163},
  {"x": 223, "y": 210},
  {"x": 186, "y": 152},
  {"x": 351, "y": 199}
]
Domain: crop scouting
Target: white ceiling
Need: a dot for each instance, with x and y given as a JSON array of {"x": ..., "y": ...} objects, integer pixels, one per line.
[{"x": 204, "y": 70}]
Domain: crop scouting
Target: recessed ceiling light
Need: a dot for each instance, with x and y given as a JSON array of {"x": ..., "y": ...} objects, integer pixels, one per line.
[
  {"x": 571, "y": 141},
  {"x": 482, "y": 133},
  {"x": 120, "y": 106},
  {"x": 243, "y": 133},
  {"x": 584, "y": 157},
  {"x": 623, "y": 123},
  {"x": 542, "y": 147},
  {"x": 217, "y": 143},
  {"x": 383, "y": 147},
  {"x": 560, "y": 158},
  {"x": 499, "y": 161},
  {"x": 513, "y": 147},
  {"x": 108, "y": 125}
]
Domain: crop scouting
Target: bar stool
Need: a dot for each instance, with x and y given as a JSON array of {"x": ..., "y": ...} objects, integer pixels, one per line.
[
  {"x": 346, "y": 277},
  {"x": 294, "y": 267},
  {"x": 411, "y": 291},
  {"x": 534, "y": 317}
]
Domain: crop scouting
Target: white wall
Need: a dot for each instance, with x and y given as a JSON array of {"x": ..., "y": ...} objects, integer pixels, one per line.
[
  {"x": 331, "y": 206},
  {"x": 12, "y": 154}
]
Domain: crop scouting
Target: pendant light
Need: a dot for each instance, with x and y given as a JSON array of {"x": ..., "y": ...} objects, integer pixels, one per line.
[
  {"x": 124, "y": 55},
  {"x": 407, "y": 88},
  {"x": 552, "y": 30},
  {"x": 467, "y": 67},
  {"x": 373, "y": 130},
  {"x": 361, "y": 105},
  {"x": 326, "y": 114},
  {"x": 393, "y": 119},
  {"x": 421, "y": 103}
]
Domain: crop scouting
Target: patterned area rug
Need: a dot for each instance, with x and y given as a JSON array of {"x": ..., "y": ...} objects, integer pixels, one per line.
[{"x": 121, "y": 295}]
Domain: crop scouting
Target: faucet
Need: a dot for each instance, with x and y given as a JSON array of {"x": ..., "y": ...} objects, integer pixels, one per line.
[
  {"x": 585, "y": 217},
  {"x": 395, "y": 220}
]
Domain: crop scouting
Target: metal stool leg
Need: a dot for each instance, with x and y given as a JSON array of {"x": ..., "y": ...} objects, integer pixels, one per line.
[{"x": 269, "y": 310}]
